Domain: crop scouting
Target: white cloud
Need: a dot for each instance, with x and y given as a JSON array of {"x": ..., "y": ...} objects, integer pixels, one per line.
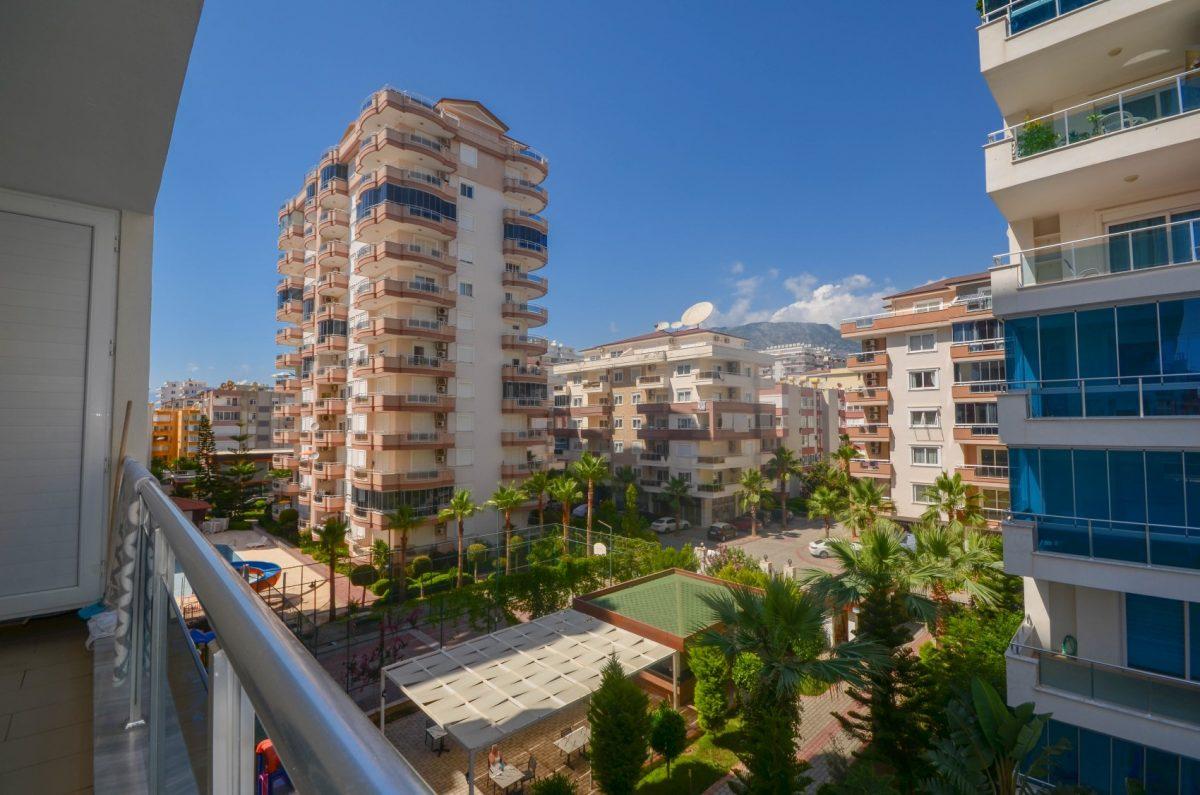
[
  {"x": 813, "y": 301},
  {"x": 736, "y": 268},
  {"x": 773, "y": 273},
  {"x": 192, "y": 367}
]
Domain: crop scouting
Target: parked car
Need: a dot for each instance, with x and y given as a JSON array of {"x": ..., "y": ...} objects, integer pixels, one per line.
[
  {"x": 721, "y": 531},
  {"x": 820, "y": 548},
  {"x": 742, "y": 523},
  {"x": 667, "y": 524}
]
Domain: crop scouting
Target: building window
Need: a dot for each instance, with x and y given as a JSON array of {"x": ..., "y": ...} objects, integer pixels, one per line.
[
  {"x": 618, "y": 422},
  {"x": 468, "y": 155},
  {"x": 618, "y": 400},
  {"x": 576, "y": 402},
  {"x": 927, "y": 305},
  {"x": 618, "y": 446},
  {"x": 466, "y": 288},
  {"x": 918, "y": 343},
  {"x": 975, "y": 414},
  {"x": 636, "y": 423},
  {"x": 927, "y": 456},
  {"x": 1156, "y": 636},
  {"x": 618, "y": 376},
  {"x": 924, "y": 493},
  {"x": 466, "y": 253},
  {"x": 635, "y": 398},
  {"x": 683, "y": 395},
  {"x": 683, "y": 369},
  {"x": 466, "y": 190},
  {"x": 922, "y": 379},
  {"x": 923, "y": 418}
]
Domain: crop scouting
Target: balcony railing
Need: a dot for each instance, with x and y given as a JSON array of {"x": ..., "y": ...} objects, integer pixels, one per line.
[
  {"x": 1176, "y": 243},
  {"x": 983, "y": 471},
  {"x": 1147, "y": 693},
  {"x": 972, "y": 303},
  {"x": 1128, "y": 542},
  {"x": 971, "y": 347},
  {"x": 1176, "y": 395},
  {"x": 1124, "y": 110},
  {"x": 256, "y": 670},
  {"x": 1025, "y": 14}
]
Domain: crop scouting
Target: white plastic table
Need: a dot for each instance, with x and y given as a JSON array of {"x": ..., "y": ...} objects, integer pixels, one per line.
[
  {"x": 506, "y": 776},
  {"x": 574, "y": 741}
]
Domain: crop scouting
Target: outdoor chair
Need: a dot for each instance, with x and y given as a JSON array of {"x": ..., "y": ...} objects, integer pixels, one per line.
[{"x": 530, "y": 769}]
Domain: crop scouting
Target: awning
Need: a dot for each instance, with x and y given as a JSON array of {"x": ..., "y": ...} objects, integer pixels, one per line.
[{"x": 487, "y": 688}]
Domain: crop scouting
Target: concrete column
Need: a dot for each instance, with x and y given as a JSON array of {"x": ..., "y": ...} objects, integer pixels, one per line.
[{"x": 675, "y": 680}]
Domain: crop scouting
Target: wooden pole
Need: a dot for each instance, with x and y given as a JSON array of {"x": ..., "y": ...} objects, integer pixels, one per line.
[{"x": 118, "y": 481}]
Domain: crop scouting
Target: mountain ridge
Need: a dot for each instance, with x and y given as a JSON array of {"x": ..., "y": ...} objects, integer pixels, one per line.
[{"x": 766, "y": 333}]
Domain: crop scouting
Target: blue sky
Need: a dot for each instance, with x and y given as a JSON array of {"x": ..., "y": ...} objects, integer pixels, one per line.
[{"x": 790, "y": 161}]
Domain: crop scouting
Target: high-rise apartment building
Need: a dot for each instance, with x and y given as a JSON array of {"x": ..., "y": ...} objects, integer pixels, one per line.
[
  {"x": 234, "y": 409},
  {"x": 174, "y": 432},
  {"x": 689, "y": 403},
  {"x": 408, "y": 263},
  {"x": 797, "y": 358},
  {"x": 1097, "y": 172},
  {"x": 178, "y": 390},
  {"x": 932, "y": 364}
]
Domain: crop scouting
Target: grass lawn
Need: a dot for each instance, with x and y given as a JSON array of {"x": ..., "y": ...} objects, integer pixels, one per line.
[{"x": 701, "y": 765}]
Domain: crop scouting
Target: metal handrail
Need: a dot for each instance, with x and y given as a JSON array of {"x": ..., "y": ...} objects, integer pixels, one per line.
[
  {"x": 325, "y": 740},
  {"x": 973, "y": 303},
  {"x": 1106, "y": 386}
]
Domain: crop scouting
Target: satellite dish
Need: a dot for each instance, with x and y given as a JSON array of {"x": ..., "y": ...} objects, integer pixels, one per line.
[
  {"x": 677, "y": 324},
  {"x": 662, "y": 325},
  {"x": 696, "y": 314}
]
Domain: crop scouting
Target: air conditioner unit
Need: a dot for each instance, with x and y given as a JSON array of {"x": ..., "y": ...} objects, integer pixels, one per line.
[
  {"x": 442, "y": 389},
  {"x": 439, "y": 421},
  {"x": 439, "y": 456}
]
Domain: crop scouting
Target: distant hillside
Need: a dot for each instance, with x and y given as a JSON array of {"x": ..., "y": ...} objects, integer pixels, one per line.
[{"x": 762, "y": 335}]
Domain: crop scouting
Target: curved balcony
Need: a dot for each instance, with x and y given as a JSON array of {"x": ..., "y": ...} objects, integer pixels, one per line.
[
  {"x": 526, "y": 195},
  {"x": 331, "y": 311},
  {"x": 288, "y": 385},
  {"x": 333, "y": 285},
  {"x": 381, "y": 365},
  {"x": 328, "y": 470},
  {"x": 392, "y": 218},
  {"x": 977, "y": 434},
  {"x": 330, "y": 375},
  {"x": 374, "y": 261},
  {"x": 334, "y": 194},
  {"x": 289, "y": 283},
  {"x": 333, "y": 225},
  {"x": 522, "y": 372},
  {"x": 381, "y": 329},
  {"x": 310, "y": 237},
  {"x": 408, "y": 178},
  {"x": 871, "y": 468},
  {"x": 287, "y": 409},
  {"x": 329, "y": 503},
  {"x": 286, "y": 361},
  {"x": 526, "y": 218},
  {"x": 289, "y": 335},
  {"x": 867, "y": 396},
  {"x": 285, "y": 488},
  {"x": 331, "y": 343},
  {"x": 531, "y": 255},
  {"x": 328, "y": 439},
  {"x": 392, "y": 147},
  {"x": 534, "y": 406},
  {"x": 526, "y": 438},
  {"x": 381, "y": 292},
  {"x": 290, "y": 263},
  {"x": 519, "y": 311},
  {"x": 311, "y": 210},
  {"x": 529, "y": 163},
  {"x": 535, "y": 285},
  {"x": 412, "y": 440},
  {"x": 329, "y": 405},
  {"x": 291, "y": 237},
  {"x": 371, "y": 404},
  {"x": 390, "y": 106},
  {"x": 392, "y": 481},
  {"x": 289, "y": 312},
  {"x": 284, "y": 461},
  {"x": 524, "y": 342},
  {"x": 333, "y": 255}
]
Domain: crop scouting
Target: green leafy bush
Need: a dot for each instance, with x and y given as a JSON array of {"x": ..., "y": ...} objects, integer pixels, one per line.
[
  {"x": 557, "y": 784},
  {"x": 289, "y": 516},
  {"x": 1036, "y": 136},
  {"x": 712, "y": 677}
]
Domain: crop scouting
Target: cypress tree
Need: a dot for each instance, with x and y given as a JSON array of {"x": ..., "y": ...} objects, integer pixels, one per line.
[{"x": 620, "y": 730}]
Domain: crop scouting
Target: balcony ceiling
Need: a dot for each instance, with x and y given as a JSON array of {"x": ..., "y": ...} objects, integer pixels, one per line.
[
  {"x": 90, "y": 91},
  {"x": 1044, "y": 68}
]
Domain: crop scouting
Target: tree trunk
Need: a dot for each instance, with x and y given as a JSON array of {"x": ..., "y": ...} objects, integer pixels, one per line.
[
  {"x": 458, "y": 583},
  {"x": 841, "y": 626},
  {"x": 783, "y": 516},
  {"x": 402, "y": 583},
  {"x": 941, "y": 598},
  {"x": 541, "y": 509},
  {"x": 753, "y": 521},
  {"x": 566, "y": 523},
  {"x": 332, "y": 583},
  {"x": 588, "y": 535},
  {"x": 827, "y": 527}
]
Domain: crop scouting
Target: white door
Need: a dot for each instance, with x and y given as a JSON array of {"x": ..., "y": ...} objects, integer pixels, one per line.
[{"x": 57, "y": 311}]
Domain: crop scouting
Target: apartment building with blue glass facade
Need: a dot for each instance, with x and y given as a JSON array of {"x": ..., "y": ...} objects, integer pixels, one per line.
[{"x": 1097, "y": 171}]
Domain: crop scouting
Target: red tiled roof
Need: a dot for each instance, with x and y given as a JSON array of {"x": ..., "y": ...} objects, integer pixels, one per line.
[
  {"x": 187, "y": 504},
  {"x": 663, "y": 335},
  {"x": 942, "y": 284}
]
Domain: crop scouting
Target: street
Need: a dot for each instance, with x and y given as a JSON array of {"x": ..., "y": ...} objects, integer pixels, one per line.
[{"x": 781, "y": 549}]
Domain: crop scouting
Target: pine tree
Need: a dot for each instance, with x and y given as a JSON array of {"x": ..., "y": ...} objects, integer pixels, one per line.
[
  {"x": 207, "y": 477},
  {"x": 620, "y": 730},
  {"x": 237, "y": 477}
]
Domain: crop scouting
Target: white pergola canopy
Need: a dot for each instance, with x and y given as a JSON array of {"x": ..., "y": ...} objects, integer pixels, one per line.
[{"x": 485, "y": 689}]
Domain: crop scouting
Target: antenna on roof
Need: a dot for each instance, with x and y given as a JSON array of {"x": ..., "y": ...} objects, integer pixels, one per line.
[
  {"x": 662, "y": 325},
  {"x": 695, "y": 314}
]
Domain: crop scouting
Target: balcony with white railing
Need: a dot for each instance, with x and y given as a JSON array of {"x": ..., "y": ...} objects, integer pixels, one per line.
[
  {"x": 977, "y": 349},
  {"x": 973, "y": 306},
  {"x": 1021, "y": 15},
  {"x": 251, "y": 673}
]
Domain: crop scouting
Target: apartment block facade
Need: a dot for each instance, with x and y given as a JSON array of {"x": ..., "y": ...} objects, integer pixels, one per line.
[
  {"x": 171, "y": 391},
  {"x": 408, "y": 263},
  {"x": 689, "y": 403},
  {"x": 796, "y": 359},
  {"x": 932, "y": 364},
  {"x": 174, "y": 432},
  {"x": 1096, "y": 174}
]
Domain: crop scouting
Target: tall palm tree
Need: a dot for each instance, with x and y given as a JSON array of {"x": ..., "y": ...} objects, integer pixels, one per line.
[
  {"x": 956, "y": 500},
  {"x": 825, "y": 504},
  {"x": 783, "y": 627},
  {"x": 331, "y": 540},
  {"x": 535, "y": 486},
  {"x": 782, "y": 466},
  {"x": 460, "y": 509},
  {"x": 402, "y": 520},
  {"x": 381, "y": 555},
  {"x": 845, "y": 453},
  {"x": 590, "y": 469},
  {"x": 678, "y": 490},
  {"x": 865, "y": 503},
  {"x": 507, "y": 499},
  {"x": 623, "y": 478},
  {"x": 965, "y": 556},
  {"x": 565, "y": 490},
  {"x": 754, "y": 492}
]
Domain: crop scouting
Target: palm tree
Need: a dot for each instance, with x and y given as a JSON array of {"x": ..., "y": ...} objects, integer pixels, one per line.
[
  {"x": 381, "y": 555},
  {"x": 783, "y": 627},
  {"x": 966, "y": 557},
  {"x": 846, "y": 453},
  {"x": 507, "y": 499},
  {"x": 460, "y": 509},
  {"x": 865, "y": 502},
  {"x": 782, "y": 466},
  {"x": 678, "y": 490},
  {"x": 565, "y": 489},
  {"x": 535, "y": 486},
  {"x": 402, "y": 520},
  {"x": 956, "y": 500},
  {"x": 590, "y": 469},
  {"x": 825, "y": 504},
  {"x": 754, "y": 493},
  {"x": 331, "y": 541},
  {"x": 624, "y": 477}
]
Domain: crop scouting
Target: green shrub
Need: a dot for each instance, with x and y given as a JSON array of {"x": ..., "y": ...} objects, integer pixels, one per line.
[
  {"x": 712, "y": 676},
  {"x": 668, "y": 733},
  {"x": 381, "y": 587},
  {"x": 1036, "y": 136},
  {"x": 420, "y": 565},
  {"x": 289, "y": 516},
  {"x": 557, "y": 784}
]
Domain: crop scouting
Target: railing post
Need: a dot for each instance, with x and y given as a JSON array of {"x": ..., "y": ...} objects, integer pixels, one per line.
[
  {"x": 1141, "y": 398},
  {"x": 231, "y": 731},
  {"x": 158, "y": 657},
  {"x": 137, "y": 650}
]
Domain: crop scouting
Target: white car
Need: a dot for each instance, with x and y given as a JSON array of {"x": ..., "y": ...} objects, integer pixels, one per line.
[
  {"x": 668, "y": 524},
  {"x": 820, "y": 548}
]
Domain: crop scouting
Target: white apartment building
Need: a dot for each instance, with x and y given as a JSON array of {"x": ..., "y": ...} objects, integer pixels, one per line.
[
  {"x": 688, "y": 403},
  {"x": 932, "y": 364},
  {"x": 179, "y": 390},
  {"x": 408, "y": 263},
  {"x": 794, "y": 359},
  {"x": 1097, "y": 172}
]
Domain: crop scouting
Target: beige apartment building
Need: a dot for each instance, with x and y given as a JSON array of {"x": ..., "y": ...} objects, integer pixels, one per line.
[
  {"x": 932, "y": 364},
  {"x": 174, "y": 432},
  {"x": 408, "y": 263},
  {"x": 689, "y": 403},
  {"x": 1097, "y": 172}
]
